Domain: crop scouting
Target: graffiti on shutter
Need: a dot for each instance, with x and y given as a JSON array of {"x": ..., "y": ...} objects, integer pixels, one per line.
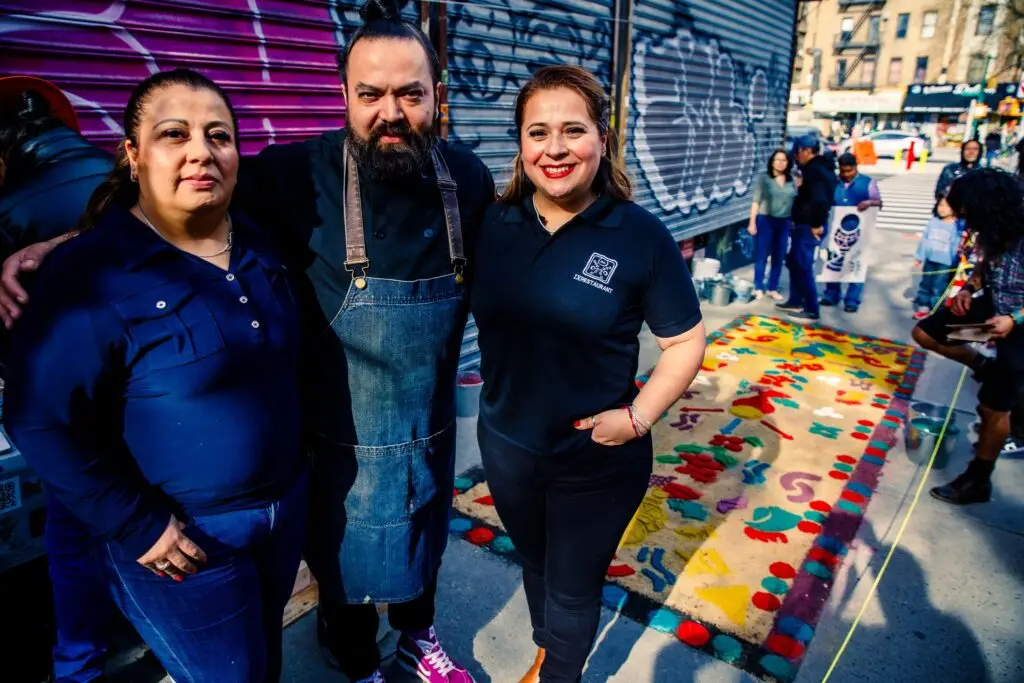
[{"x": 707, "y": 107}]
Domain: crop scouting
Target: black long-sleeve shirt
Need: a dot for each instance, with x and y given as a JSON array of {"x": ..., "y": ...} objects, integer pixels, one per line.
[{"x": 816, "y": 195}]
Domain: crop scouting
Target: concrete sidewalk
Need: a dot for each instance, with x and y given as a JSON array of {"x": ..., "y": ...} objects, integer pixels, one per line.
[{"x": 950, "y": 606}]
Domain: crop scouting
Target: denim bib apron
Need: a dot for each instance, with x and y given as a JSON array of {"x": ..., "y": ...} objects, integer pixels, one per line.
[{"x": 383, "y": 451}]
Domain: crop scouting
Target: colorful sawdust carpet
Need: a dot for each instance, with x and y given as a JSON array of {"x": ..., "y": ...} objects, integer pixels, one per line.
[{"x": 762, "y": 476}]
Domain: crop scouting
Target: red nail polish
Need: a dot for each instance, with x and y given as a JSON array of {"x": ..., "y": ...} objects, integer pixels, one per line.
[{"x": 179, "y": 579}]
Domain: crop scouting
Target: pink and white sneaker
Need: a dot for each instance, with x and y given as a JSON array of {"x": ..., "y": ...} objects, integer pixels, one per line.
[{"x": 422, "y": 654}]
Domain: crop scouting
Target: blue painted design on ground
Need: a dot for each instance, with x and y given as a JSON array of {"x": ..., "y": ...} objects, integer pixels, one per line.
[
  {"x": 778, "y": 667},
  {"x": 463, "y": 483},
  {"x": 873, "y": 460},
  {"x": 727, "y": 648},
  {"x": 818, "y": 569},
  {"x": 731, "y": 427},
  {"x": 795, "y": 629},
  {"x": 502, "y": 544},
  {"x": 613, "y": 597},
  {"x": 857, "y": 487},
  {"x": 831, "y": 544},
  {"x": 664, "y": 620},
  {"x": 657, "y": 561},
  {"x": 460, "y": 525},
  {"x": 775, "y": 585},
  {"x": 657, "y": 582},
  {"x": 852, "y": 508}
]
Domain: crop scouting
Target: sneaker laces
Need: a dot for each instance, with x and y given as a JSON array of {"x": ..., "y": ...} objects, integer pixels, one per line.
[
  {"x": 377, "y": 677},
  {"x": 440, "y": 660}
]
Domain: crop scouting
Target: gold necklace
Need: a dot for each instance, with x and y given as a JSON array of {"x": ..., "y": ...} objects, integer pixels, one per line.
[{"x": 227, "y": 242}]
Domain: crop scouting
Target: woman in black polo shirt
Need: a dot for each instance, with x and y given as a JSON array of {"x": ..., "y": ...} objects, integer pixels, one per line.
[{"x": 568, "y": 270}]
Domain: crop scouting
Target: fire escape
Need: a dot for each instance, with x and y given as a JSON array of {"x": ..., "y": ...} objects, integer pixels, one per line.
[{"x": 853, "y": 47}]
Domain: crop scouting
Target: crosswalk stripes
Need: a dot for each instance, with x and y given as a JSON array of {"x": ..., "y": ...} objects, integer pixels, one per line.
[{"x": 907, "y": 201}]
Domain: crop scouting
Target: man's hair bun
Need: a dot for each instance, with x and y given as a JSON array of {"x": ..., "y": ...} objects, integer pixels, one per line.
[{"x": 382, "y": 10}]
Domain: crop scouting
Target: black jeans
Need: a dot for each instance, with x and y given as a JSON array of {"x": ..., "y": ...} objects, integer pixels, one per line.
[
  {"x": 350, "y": 631},
  {"x": 565, "y": 514}
]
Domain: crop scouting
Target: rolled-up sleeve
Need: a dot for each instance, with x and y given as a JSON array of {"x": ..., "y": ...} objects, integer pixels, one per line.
[{"x": 63, "y": 407}]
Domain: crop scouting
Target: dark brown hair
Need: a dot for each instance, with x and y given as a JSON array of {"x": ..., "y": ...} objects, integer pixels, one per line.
[
  {"x": 119, "y": 189},
  {"x": 383, "y": 19},
  {"x": 611, "y": 177},
  {"x": 787, "y": 173}
]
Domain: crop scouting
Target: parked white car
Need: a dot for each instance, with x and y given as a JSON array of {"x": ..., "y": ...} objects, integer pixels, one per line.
[{"x": 889, "y": 142}]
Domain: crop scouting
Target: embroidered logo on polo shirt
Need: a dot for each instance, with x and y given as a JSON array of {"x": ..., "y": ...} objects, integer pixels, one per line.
[{"x": 598, "y": 272}]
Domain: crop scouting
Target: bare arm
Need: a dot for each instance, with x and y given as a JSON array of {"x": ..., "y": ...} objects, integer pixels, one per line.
[{"x": 681, "y": 358}]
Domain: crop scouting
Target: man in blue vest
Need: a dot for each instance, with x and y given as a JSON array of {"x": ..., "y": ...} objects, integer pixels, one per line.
[{"x": 854, "y": 189}]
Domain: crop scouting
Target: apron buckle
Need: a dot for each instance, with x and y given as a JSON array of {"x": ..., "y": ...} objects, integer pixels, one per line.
[
  {"x": 361, "y": 266},
  {"x": 459, "y": 265}
]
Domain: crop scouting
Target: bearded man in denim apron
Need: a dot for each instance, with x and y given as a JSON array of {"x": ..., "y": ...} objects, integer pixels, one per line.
[{"x": 384, "y": 214}]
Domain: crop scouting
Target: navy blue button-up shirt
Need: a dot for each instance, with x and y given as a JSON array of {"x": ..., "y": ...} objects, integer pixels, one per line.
[{"x": 145, "y": 381}]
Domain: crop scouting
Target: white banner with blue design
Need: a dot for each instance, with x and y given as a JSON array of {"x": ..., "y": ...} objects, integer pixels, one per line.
[{"x": 846, "y": 249}]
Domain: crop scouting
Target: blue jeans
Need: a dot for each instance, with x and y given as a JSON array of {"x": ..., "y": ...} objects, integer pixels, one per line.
[
  {"x": 222, "y": 624},
  {"x": 803, "y": 290},
  {"x": 854, "y": 294},
  {"x": 82, "y": 606},
  {"x": 933, "y": 284},
  {"x": 772, "y": 242}
]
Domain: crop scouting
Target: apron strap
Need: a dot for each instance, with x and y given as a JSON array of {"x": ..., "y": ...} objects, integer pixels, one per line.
[
  {"x": 452, "y": 220},
  {"x": 355, "y": 238}
]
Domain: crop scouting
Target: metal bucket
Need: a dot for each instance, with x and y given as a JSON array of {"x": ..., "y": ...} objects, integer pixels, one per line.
[
  {"x": 744, "y": 291},
  {"x": 467, "y": 394},
  {"x": 922, "y": 437},
  {"x": 722, "y": 294},
  {"x": 930, "y": 410},
  {"x": 698, "y": 285}
]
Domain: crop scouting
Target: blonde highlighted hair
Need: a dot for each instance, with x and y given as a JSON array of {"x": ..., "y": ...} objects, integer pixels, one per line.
[{"x": 611, "y": 176}]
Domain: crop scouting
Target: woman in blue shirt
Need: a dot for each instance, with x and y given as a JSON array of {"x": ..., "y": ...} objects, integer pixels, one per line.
[
  {"x": 153, "y": 385},
  {"x": 568, "y": 270}
]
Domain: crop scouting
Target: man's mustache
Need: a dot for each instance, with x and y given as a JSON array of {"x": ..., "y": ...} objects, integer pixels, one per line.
[{"x": 398, "y": 129}]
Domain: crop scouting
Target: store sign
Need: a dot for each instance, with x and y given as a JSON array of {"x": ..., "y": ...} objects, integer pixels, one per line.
[
  {"x": 826, "y": 101},
  {"x": 954, "y": 98}
]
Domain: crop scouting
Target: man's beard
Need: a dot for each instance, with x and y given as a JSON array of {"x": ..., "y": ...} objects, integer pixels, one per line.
[{"x": 393, "y": 160}]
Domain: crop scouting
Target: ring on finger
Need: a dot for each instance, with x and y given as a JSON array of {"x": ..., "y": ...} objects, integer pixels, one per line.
[
  {"x": 593, "y": 421},
  {"x": 162, "y": 565}
]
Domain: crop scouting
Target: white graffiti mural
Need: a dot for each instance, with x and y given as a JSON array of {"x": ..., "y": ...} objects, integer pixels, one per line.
[{"x": 696, "y": 115}]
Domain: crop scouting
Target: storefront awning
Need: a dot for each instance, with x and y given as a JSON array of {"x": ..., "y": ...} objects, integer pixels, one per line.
[
  {"x": 844, "y": 102},
  {"x": 953, "y": 98}
]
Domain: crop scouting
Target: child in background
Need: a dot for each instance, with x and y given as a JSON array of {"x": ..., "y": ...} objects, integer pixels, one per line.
[{"x": 937, "y": 253}]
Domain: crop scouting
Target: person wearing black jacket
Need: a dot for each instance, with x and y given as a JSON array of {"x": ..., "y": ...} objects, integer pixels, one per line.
[
  {"x": 970, "y": 158},
  {"x": 47, "y": 174},
  {"x": 810, "y": 215}
]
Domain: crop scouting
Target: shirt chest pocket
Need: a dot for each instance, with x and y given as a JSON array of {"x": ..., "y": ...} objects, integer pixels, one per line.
[{"x": 169, "y": 326}]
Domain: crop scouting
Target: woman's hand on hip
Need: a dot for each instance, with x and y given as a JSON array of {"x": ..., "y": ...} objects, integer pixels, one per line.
[
  {"x": 610, "y": 428},
  {"x": 752, "y": 228},
  {"x": 174, "y": 554}
]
